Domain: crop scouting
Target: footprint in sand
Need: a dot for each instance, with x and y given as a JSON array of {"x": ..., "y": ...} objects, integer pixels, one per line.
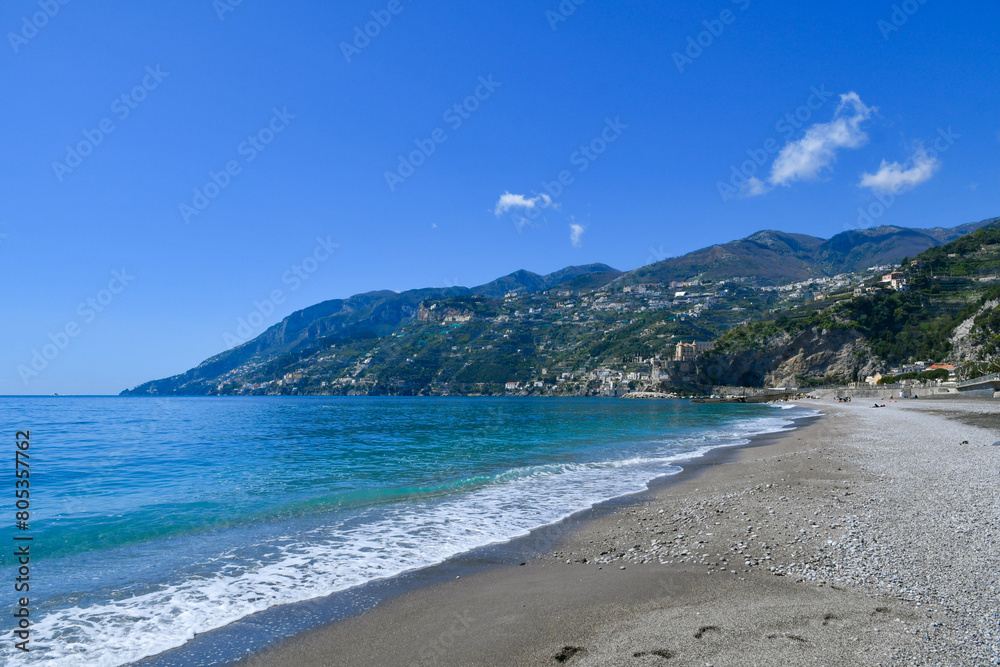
[
  {"x": 705, "y": 629},
  {"x": 659, "y": 653},
  {"x": 568, "y": 653}
]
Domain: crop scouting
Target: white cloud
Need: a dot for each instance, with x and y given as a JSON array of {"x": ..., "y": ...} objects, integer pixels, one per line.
[
  {"x": 576, "y": 234},
  {"x": 896, "y": 178},
  {"x": 754, "y": 187},
  {"x": 509, "y": 201},
  {"x": 806, "y": 158}
]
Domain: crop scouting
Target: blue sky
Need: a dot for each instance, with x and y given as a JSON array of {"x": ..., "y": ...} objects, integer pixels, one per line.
[{"x": 247, "y": 140}]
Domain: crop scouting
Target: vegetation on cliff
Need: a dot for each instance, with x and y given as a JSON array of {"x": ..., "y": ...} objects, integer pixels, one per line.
[{"x": 550, "y": 334}]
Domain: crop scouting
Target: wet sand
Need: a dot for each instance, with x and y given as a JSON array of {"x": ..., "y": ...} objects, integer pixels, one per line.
[{"x": 834, "y": 544}]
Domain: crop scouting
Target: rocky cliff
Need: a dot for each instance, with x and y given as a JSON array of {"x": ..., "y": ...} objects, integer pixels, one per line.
[
  {"x": 783, "y": 359},
  {"x": 975, "y": 341}
]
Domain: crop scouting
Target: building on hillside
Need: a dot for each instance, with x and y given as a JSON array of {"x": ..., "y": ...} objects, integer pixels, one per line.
[
  {"x": 701, "y": 347},
  {"x": 916, "y": 367},
  {"x": 685, "y": 352},
  {"x": 896, "y": 281},
  {"x": 948, "y": 367},
  {"x": 691, "y": 351}
]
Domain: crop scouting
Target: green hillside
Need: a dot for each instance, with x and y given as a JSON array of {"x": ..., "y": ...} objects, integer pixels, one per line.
[
  {"x": 778, "y": 257},
  {"x": 776, "y": 303},
  {"x": 947, "y": 285}
]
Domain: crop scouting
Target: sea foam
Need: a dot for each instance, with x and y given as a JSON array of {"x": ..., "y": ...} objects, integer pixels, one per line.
[{"x": 348, "y": 549}]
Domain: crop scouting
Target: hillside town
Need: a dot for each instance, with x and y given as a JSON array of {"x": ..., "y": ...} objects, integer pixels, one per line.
[
  {"x": 675, "y": 323},
  {"x": 768, "y": 310}
]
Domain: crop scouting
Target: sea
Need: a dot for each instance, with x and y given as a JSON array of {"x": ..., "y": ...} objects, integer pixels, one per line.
[{"x": 153, "y": 520}]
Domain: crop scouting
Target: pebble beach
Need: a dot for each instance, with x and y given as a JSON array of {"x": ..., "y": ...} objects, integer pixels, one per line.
[{"x": 866, "y": 537}]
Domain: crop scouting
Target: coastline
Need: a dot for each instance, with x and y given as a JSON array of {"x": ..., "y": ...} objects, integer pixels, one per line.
[
  {"x": 860, "y": 574},
  {"x": 260, "y": 632}
]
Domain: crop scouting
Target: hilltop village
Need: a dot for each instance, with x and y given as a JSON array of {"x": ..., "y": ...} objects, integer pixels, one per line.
[
  {"x": 674, "y": 324},
  {"x": 770, "y": 310}
]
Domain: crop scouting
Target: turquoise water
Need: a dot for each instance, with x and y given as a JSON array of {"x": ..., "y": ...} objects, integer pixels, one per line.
[{"x": 155, "y": 519}]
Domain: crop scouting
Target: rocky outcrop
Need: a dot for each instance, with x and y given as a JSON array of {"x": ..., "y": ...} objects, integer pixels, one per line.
[
  {"x": 971, "y": 343},
  {"x": 818, "y": 355},
  {"x": 790, "y": 361},
  {"x": 964, "y": 340},
  {"x": 443, "y": 314}
]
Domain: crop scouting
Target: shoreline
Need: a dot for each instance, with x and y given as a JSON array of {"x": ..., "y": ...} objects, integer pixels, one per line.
[
  {"x": 264, "y": 631},
  {"x": 507, "y": 559},
  {"x": 810, "y": 546}
]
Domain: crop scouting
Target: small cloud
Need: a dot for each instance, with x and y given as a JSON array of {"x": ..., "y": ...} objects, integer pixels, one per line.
[
  {"x": 896, "y": 178},
  {"x": 754, "y": 187},
  {"x": 576, "y": 234},
  {"x": 510, "y": 201},
  {"x": 974, "y": 186},
  {"x": 806, "y": 158},
  {"x": 434, "y": 225}
]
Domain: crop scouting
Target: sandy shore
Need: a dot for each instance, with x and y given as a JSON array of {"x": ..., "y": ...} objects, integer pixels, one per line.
[{"x": 868, "y": 537}]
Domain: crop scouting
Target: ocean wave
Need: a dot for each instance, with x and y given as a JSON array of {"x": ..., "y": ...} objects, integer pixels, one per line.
[{"x": 368, "y": 543}]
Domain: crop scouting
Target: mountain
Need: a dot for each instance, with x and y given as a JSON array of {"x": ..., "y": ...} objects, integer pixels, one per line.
[
  {"x": 779, "y": 257},
  {"x": 768, "y": 255},
  {"x": 879, "y": 246},
  {"x": 572, "y": 277},
  {"x": 526, "y": 326},
  {"x": 949, "y": 310},
  {"x": 363, "y": 317}
]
